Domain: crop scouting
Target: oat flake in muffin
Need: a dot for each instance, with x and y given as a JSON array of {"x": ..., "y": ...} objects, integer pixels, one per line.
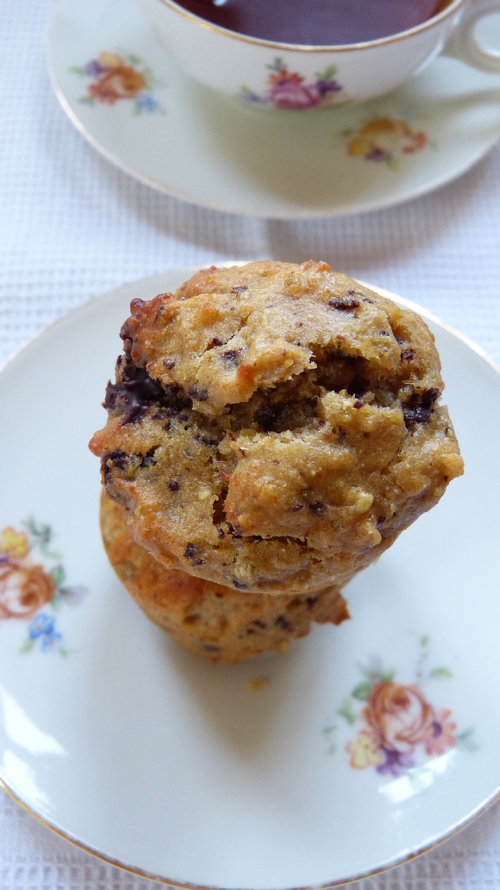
[{"x": 274, "y": 427}]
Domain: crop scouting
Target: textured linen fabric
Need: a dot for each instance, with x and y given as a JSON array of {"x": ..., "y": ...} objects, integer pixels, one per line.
[{"x": 73, "y": 226}]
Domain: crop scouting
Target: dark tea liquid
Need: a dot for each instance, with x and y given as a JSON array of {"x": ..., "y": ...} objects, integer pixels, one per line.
[{"x": 316, "y": 22}]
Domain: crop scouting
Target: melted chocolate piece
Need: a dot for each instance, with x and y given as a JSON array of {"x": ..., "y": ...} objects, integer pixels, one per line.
[
  {"x": 136, "y": 390},
  {"x": 114, "y": 460}
]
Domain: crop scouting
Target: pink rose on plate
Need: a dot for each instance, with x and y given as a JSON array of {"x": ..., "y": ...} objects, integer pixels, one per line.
[
  {"x": 399, "y": 716},
  {"x": 289, "y": 91}
]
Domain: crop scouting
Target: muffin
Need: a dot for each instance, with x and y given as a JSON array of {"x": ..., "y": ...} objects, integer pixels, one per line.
[
  {"x": 211, "y": 620},
  {"x": 274, "y": 427}
]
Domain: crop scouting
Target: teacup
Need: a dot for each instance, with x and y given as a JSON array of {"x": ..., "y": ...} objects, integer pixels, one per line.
[{"x": 299, "y": 77}]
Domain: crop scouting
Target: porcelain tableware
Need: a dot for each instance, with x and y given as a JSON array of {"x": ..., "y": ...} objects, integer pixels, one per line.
[
  {"x": 301, "y": 78},
  {"x": 152, "y": 759},
  {"x": 183, "y": 139}
]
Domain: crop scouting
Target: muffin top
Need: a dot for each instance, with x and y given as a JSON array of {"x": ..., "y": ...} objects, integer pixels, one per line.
[{"x": 274, "y": 426}]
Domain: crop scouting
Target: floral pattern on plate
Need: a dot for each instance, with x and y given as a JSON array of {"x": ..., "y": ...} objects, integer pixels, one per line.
[
  {"x": 115, "y": 77},
  {"x": 290, "y": 91},
  {"x": 27, "y": 587},
  {"x": 385, "y": 140},
  {"x": 398, "y": 723}
]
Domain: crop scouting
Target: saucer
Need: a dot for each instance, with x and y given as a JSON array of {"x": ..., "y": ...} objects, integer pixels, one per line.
[
  {"x": 132, "y": 103},
  {"x": 260, "y": 775}
]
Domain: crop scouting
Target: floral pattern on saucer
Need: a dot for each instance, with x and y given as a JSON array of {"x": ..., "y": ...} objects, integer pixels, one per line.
[
  {"x": 398, "y": 724},
  {"x": 385, "y": 140},
  {"x": 114, "y": 78},
  {"x": 27, "y": 587},
  {"x": 290, "y": 91}
]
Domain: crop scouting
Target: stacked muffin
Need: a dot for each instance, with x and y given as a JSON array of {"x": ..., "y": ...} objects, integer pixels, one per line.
[{"x": 271, "y": 431}]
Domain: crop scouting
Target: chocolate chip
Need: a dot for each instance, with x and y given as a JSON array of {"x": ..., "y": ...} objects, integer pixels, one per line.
[
  {"x": 148, "y": 459},
  {"x": 232, "y": 357},
  {"x": 199, "y": 395},
  {"x": 190, "y": 555},
  {"x": 317, "y": 507},
  {"x": 260, "y": 624},
  {"x": 384, "y": 334},
  {"x": 343, "y": 303},
  {"x": 407, "y": 355},
  {"x": 416, "y": 415},
  {"x": 174, "y": 485},
  {"x": 239, "y": 585},
  {"x": 169, "y": 363},
  {"x": 239, "y": 289},
  {"x": 311, "y": 602},
  {"x": 381, "y": 520},
  {"x": 430, "y": 396},
  {"x": 215, "y": 342},
  {"x": 209, "y": 441},
  {"x": 221, "y": 533},
  {"x": 265, "y": 416},
  {"x": 358, "y": 404},
  {"x": 283, "y": 623},
  {"x": 295, "y": 508}
]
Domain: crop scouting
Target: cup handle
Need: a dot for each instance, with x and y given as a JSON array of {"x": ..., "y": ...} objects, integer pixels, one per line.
[{"x": 464, "y": 44}]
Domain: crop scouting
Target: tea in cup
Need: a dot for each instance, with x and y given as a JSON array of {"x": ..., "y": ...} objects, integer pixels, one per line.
[{"x": 305, "y": 54}]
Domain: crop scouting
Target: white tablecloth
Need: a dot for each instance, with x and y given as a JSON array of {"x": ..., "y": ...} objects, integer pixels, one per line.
[{"x": 72, "y": 226}]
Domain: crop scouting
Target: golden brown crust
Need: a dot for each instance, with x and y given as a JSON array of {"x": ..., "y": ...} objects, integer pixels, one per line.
[
  {"x": 211, "y": 620},
  {"x": 274, "y": 427}
]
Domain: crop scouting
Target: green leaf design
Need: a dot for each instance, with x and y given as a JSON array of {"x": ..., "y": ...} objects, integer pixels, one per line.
[
  {"x": 87, "y": 100},
  {"x": 63, "y": 652},
  {"x": 40, "y": 536},
  {"x": 56, "y": 602},
  {"x": 277, "y": 65},
  {"x": 133, "y": 59},
  {"x": 76, "y": 70},
  {"x": 387, "y": 675},
  {"x": 441, "y": 673},
  {"x": 27, "y": 646},
  {"x": 58, "y": 575},
  {"x": 328, "y": 729},
  {"x": 362, "y": 691},
  {"x": 347, "y": 712},
  {"x": 424, "y": 641},
  {"x": 328, "y": 73},
  {"x": 466, "y": 740}
]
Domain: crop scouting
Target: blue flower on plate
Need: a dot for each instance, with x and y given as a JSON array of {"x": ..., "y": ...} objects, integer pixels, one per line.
[
  {"x": 43, "y": 628},
  {"x": 145, "y": 102}
]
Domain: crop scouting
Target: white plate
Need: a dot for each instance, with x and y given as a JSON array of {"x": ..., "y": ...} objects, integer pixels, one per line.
[
  {"x": 198, "y": 146},
  {"x": 237, "y": 776}
]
